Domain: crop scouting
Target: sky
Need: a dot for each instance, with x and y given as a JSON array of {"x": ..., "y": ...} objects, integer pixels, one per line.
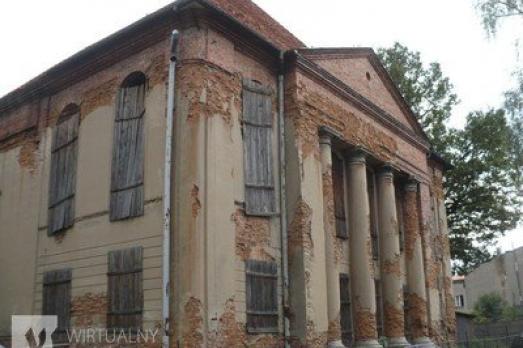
[{"x": 35, "y": 35}]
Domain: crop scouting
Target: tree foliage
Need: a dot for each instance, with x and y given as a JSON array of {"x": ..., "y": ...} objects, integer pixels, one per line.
[
  {"x": 492, "y": 307},
  {"x": 429, "y": 93},
  {"x": 481, "y": 187},
  {"x": 481, "y": 195},
  {"x": 493, "y": 11}
]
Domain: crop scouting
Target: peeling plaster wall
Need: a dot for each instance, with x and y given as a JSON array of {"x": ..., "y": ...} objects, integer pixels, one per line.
[
  {"x": 308, "y": 106},
  {"x": 24, "y": 179},
  {"x": 213, "y": 235}
]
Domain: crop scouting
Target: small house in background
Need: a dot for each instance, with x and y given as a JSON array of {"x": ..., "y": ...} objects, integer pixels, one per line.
[{"x": 502, "y": 275}]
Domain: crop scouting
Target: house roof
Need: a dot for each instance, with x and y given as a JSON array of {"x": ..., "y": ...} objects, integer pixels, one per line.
[{"x": 243, "y": 14}]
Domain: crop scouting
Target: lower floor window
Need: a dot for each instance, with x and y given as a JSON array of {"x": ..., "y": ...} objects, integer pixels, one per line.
[
  {"x": 262, "y": 296},
  {"x": 125, "y": 289},
  {"x": 345, "y": 310}
]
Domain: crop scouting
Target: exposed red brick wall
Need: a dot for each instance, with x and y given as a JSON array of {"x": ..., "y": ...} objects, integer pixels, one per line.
[{"x": 258, "y": 20}]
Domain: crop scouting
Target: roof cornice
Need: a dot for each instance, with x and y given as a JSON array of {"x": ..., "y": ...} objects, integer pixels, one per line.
[{"x": 343, "y": 90}]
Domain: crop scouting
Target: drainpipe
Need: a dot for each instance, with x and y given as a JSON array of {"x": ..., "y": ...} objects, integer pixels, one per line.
[
  {"x": 283, "y": 204},
  {"x": 166, "y": 256}
]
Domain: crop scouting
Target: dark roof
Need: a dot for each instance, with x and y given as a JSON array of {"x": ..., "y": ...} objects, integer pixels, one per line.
[{"x": 241, "y": 13}]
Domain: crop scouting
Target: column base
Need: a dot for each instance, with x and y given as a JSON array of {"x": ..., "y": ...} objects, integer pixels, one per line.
[
  {"x": 423, "y": 342},
  {"x": 367, "y": 344},
  {"x": 335, "y": 344},
  {"x": 397, "y": 342}
]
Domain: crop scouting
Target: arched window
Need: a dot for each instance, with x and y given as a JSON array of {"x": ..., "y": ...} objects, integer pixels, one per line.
[
  {"x": 128, "y": 150},
  {"x": 62, "y": 182}
]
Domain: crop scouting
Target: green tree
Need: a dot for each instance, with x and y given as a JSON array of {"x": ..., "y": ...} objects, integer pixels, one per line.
[
  {"x": 481, "y": 188},
  {"x": 493, "y": 11},
  {"x": 481, "y": 196},
  {"x": 489, "y": 308},
  {"x": 429, "y": 93}
]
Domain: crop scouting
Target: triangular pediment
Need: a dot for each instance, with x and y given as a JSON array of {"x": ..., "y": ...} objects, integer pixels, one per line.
[{"x": 361, "y": 70}]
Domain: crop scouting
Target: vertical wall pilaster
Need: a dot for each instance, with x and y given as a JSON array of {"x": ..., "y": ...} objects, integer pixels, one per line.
[
  {"x": 361, "y": 262},
  {"x": 391, "y": 277}
]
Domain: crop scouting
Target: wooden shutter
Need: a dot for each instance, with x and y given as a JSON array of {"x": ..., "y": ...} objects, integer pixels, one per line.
[
  {"x": 338, "y": 184},
  {"x": 62, "y": 181},
  {"x": 258, "y": 160},
  {"x": 56, "y": 297},
  {"x": 262, "y": 296},
  {"x": 373, "y": 217},
  {"x": 401, "y": 225},
  {"x": 345, "y": 310},
  {"x": 128, "y": 152},
  {"x": 379, "y": 305},
  {"x": 125, "y": 289}
]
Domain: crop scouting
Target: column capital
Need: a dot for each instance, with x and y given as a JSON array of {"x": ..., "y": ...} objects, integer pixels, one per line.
[
  {"x": 386, "y": 170},
  {"x": 357, "y": 155},
  {"x": 412, "y": 184},
  {"x": 325, "y": 139}
]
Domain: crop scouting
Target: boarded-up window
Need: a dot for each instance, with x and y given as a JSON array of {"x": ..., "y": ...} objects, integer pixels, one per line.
[
  {"x": 401, "y": 225},
  {"x": 406, "y": 311},
  {"x": 371, "y": 190},
  {"x": 345, "y": 310},
  {"x": 338, "y": 184},
  {"x": 56, "y": 297},
  {"x": 379, "y": 308},
  {"x": 262, "y": 296},
  {"x": 62, "y": 181},
  {"x": 125, "y": 289},
  {"x": 258, "y": 160},
  {"x": 128, "y": 150}
]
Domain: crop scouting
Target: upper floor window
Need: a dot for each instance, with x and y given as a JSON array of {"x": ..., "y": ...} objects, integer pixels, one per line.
[
  {"x": 62, "y": 182},
  {"x": 260, "y": 198},
  {"x": 127, "y": 194},
  {"x": 459, "y": 301},
  {"x": 373, "y": 210},
  {"x": 338, "y": 183}
]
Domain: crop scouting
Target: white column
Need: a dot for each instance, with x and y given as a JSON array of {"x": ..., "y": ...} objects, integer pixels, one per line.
[
  {"x": 331, "y": 269},
  {"x": 390, "y": 260},
  {"x": 361, "y": 262},
  {"x": 416, "y": 293}
]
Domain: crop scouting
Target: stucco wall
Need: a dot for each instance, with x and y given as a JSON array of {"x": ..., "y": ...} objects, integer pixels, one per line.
[
  {"x": 29, "y": 251},
  {"x": 213, "y": 236}
]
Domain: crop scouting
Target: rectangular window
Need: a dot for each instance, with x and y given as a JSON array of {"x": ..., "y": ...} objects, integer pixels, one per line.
[
  {"x": 338, "y": 184},
  {"x": 262, "y": 296},
  {"x": 399, "y": 212},
  {"x": 62, "y": 180},
  {"x": 371, "y": 190},
  {"x": 125, "y": 289},
  {"x": 128, "y": 150},
  {"x": 56, "y": 300},
  {"x": 260, "y": 197},
  {"x": 459, "y": 301},
  {"x": 379, "y": 311},
  {"x": 345, "y": 310}
]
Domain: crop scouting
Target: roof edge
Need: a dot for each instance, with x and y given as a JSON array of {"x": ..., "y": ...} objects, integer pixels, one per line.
[{"x": 368, "y": 52}]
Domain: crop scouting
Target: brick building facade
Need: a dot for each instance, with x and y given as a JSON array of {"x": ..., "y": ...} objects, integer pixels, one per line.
[{"x": 307, "y": 206}]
